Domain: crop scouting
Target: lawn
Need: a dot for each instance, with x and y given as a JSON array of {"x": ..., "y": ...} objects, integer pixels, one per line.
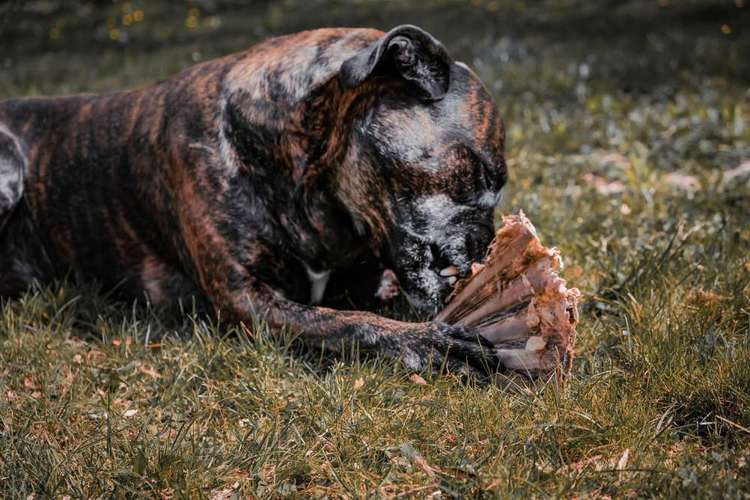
[{"x": 628, "y": 129}]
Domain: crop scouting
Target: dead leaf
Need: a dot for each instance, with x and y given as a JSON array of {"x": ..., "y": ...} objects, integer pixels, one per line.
[
  {"x": 408, "y": 451},
  {"x": 224, "y": 494},
  {"x": 416, "y": 379},
  {"x": 682, "y": 181},
  {"x": 151, "y": 372},
  {"x": 28, "y": 383},
  {"x": 573, "y": 272},
  {"x": 359, "y": 383},
  {"x": 732, "y": 175},
  {"x": 602, "y": 185},
  {"x": 94, "y": 356}
]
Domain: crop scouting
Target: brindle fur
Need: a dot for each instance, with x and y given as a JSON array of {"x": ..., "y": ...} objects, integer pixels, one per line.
[{"x": 232, "y": 180}]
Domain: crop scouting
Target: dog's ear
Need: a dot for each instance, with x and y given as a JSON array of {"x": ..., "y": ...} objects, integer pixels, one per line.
[{"x": 411, "y": 53}]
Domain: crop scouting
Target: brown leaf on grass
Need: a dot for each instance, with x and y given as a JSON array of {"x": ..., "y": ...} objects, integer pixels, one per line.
[
  {"x": 603, "y": 185},
  {"x": 267, "y": 474},
  {"x": 28, "y": 383},
  {"x": 416, "y": 458},
  {"x": 416, "y": 379},
  {"x": 573, "y": 272},
  {"x": 686, "y": 182},
  {"x": 597, "y": 462},
  {"x": 736, "y": 174},
  {"x": 449, "y": 438},
  {"x": 94, "y": 356},
  {"x": 614, "y": 159},
  {"x": 704, "y": 298},
  {"x": 223, "y": 494},
  {"x": 148, "y": 370}
]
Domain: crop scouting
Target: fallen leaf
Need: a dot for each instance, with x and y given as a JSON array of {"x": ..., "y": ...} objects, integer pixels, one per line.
[
  {"x": 147, "y": 370},
  {"x": 573, "y": 272},
  {"x": 604, "y": 186},
  {"x": 682, "y": 181},
  {"x": 130, "y": 413},
  {"x": 359, "y": 383},
  {"x": 416, "y": 379},
  {"x": 408, "y": 451},
  {"x": 741, "y": 170}
]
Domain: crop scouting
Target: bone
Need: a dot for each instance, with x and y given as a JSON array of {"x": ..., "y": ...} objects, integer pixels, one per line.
[{"x": 517, "y": 301}]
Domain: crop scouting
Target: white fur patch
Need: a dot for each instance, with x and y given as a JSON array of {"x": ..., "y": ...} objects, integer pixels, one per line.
[
  {"x": 318, "y": 283},
  {"x": 10, "y": 185},
  {"x": 490, "y": 198},
  {"x": 226, "y": 151},
  {"x": 439, "y": 211},
  {"x": 11, "y": 172}
]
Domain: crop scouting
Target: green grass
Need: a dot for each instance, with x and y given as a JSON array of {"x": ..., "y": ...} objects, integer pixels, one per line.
[{"x": 99, "y": 398}]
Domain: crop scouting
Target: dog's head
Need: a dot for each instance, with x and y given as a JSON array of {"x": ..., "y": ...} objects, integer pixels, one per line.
[{"x": 425, "y": 163}]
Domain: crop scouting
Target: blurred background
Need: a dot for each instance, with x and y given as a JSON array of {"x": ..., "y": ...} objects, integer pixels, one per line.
[{"x": 547, "y": 61}]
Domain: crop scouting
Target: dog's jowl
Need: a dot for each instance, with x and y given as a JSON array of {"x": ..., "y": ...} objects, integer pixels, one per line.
[{"x": 262, "y": 181}]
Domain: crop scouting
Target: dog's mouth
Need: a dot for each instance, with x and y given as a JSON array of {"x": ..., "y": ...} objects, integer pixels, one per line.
[{"x": 427, "y": 276}]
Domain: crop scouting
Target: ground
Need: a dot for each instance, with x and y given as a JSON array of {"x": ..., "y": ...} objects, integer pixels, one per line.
[{"x": 629, "y": 148}]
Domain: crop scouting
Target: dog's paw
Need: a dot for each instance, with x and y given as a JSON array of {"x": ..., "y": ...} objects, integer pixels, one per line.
[
  {"x": 455, "y": 348},
  {"x": 389, "y": 287}
]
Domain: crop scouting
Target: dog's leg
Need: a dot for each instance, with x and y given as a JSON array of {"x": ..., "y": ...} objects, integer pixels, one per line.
[
  {"x": 16, "y": 242},
  {"x": 415, "y": 344},
  {"x": 238, "y": 296},
  {"x": 12, "y": 171}
]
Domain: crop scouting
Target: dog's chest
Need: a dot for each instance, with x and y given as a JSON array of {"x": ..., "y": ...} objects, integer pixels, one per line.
[{"x": 318, "y": 283}]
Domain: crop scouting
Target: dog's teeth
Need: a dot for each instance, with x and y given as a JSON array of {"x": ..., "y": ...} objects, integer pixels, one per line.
[
  {"x": 449, "y": 271},
  {"x": 452, "y": 280}
]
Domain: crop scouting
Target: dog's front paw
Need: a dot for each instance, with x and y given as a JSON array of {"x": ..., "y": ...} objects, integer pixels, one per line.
[{"x": 454, "y": 347}]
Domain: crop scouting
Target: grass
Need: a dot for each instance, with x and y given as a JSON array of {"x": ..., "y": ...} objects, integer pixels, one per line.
[{"x": 99, "y": 398}]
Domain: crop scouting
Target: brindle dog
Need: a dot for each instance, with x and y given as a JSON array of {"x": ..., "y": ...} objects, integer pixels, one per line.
[{"x": 250, "y": 179}]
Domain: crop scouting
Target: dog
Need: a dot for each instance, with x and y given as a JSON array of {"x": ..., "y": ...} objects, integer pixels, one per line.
[{"x": 260, "y": 180}]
